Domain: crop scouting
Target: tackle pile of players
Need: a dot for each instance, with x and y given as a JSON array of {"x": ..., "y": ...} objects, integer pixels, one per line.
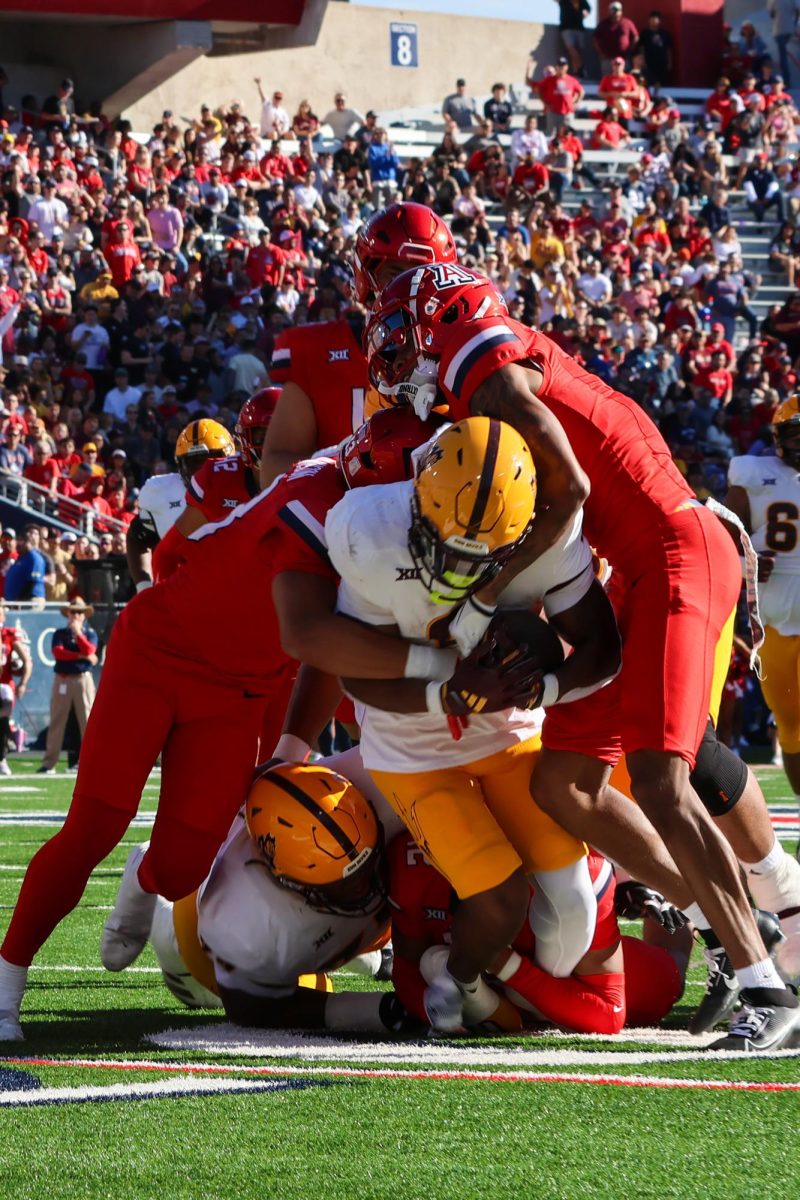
[{"x": 530, "y": 615}]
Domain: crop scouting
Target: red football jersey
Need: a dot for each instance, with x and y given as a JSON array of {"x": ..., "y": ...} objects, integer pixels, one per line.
[
  {"x": 217, "y": 609},
  {"x": 634, "y": 482},
  {"x": 8, "y": 640},
  {"x": 327, "y": 362},
  {"x": 221, "y": 485},
  {"x": 422, "y": 900}
]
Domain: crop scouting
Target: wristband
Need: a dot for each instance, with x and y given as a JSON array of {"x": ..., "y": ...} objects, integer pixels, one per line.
[
  {"x": 143, "y": 584},
  {"x": 292, "y": 749},
  {"x": 549, "y": 691},
  {"x": 429, "y": 662},
  {"x": 486, "y": 610},
  {"x": 433, "y": 699}
]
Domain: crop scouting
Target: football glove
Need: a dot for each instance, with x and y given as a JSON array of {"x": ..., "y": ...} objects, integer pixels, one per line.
[
  {"x": 491, "y": 679},
  {"x": 635, "y": 900}
]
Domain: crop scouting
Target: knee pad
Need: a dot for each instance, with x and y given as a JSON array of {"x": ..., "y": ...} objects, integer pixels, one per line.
[
  {"x": 719, "y": 776},
  {"x": 563, "y": 917}
]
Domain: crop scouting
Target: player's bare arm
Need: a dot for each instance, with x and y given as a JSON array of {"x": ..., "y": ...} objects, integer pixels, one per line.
[
  {"x": 190, "y": 519},
  {"x": 738, "y": 501},
  {"x": 509, "y": 394},
  {"x": 314, "y": 698},
  {"x": 591, "y": 629},
  {"x": 139, "y": 541},
  {"x": 313, "y": 633},
  {"x": 292, "y": 434}
]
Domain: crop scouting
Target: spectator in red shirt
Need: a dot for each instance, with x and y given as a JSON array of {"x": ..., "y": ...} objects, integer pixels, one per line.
[
  {"x": 608, "y": 134},
  {"x": 122, "y": 255},
  {"x": 91, "y": 494},
  {"x": 275, "y": 165},
  {"x": 619, "y": 90},
  {"x": 266, "y": 263},
  {"x": 721, "y": 105},
  {"x": 44, "y": 469},
  {"x": 616, "y": 36},
  {"x": 531, "y": 177},
  {"x": 716, "y": 379},
  {"x": 717, "y": 341},
  {"x": 560, "y": 94},
  {"x": 8, "y": 553}
]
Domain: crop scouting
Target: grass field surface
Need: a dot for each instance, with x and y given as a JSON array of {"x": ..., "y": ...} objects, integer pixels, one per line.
[{"x": 120, "y": 1092}]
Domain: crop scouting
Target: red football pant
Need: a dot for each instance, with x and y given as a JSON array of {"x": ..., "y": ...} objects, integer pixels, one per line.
[
  {"x": 148, "y": 702},
  {"x": 671, "y": 616}
]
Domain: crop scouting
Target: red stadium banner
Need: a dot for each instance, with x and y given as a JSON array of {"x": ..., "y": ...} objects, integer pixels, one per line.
[{"x": 278, "y": 12}]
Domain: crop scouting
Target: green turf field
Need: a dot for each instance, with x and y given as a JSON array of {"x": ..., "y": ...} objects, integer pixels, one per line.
[{"x": 92, "y": 1108}]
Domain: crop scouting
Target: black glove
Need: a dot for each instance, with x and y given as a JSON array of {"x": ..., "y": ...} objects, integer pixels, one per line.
[
  {"x": 398, "y": 1020},
  {"x": 492, "y": 678},
  {"x": 635, "y": 900},
  {"x": 766, "y": 565}
]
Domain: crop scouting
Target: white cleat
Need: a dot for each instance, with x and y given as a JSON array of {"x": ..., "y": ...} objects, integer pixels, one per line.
[
  {"x": 5, "y": 769},
  {"x": 10, "y": 1028},
  {"x": 443, "y": 999},
  {"x": 126, "y": 931}
]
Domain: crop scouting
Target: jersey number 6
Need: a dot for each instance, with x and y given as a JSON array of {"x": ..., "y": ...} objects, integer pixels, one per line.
[{"x": 781, "y": 534}]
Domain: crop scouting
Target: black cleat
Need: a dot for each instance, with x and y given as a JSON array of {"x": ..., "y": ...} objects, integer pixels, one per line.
[
  {"x": 765, "y": 1023},
  {"x": 722, "y": 989}
]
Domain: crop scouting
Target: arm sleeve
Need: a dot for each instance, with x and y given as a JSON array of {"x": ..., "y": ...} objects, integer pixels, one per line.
[
  {"x": 409, "y": 986},
  {"x": 170, "y": 554}
]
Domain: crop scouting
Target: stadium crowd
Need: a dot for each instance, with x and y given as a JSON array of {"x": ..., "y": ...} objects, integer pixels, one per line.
[{"x": 143, "y": 281}]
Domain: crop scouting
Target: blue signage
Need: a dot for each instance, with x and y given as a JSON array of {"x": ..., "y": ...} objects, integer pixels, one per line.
[{"x": 403, "y": 41}]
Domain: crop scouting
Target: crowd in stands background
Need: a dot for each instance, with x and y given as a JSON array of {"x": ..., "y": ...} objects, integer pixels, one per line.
[{"x": 143, "y": 281}]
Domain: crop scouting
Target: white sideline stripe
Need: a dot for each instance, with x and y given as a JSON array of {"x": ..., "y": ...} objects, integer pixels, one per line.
[
  {"x": 56, "y": 820},
  {"x": 6, "y": 790},
  {"x": 400, "y": 1073},
  {"x": 253, "y": 1043},
  {"x": 99, "y": 970},
  {"x": 155, "y": 1089}
]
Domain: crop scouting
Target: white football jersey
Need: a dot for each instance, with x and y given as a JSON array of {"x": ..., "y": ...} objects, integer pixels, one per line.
[
  {"x": 161, "y": 501},
  {"x": 367, "y": 535},
  {"x": 773, "y": 490},
  {"x": 260, "y": 936}
]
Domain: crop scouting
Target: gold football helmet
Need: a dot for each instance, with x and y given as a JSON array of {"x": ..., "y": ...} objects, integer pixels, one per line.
[
  {"x": 318, "y": 836},
  {"x": 201, "y": 440},
  {"x": 473, "y": 504},
  {"x": 786, "y": 431}
]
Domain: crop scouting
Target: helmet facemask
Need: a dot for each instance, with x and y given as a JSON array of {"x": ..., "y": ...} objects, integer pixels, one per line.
[
  {"x": 449, "y": 572},
  {"x": 362, "y": 890}
]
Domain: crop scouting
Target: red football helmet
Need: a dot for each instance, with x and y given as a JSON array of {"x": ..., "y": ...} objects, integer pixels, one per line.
[
  {"x": 252, "y": 423},
  {"x": 380, "y": 451},
  {"x": 411, "y": 323},
  {"x": 396, "y": 238}
]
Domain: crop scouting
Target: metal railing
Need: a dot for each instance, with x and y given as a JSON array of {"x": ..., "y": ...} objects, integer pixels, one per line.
[{"x": 62, "y": 511}]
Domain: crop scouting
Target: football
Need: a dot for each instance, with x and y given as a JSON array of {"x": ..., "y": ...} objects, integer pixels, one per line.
[{"x": 519, "y": 627}]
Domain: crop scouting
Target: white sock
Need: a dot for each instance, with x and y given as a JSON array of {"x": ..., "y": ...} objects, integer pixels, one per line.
[
  {"x": 12, "y": 985},
  {"x": 774, "y": 882},
  {"x": 696, "y": 915},
  {"x": 768, "y": 864},
  {"x": 760, "y": 975}
]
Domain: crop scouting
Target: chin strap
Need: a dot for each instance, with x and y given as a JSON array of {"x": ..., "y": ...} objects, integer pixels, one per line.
[{"x": 421, "y": 389}]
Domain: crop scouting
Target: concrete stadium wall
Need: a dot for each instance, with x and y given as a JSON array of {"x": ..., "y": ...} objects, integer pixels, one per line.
[{"x": 340, "y": 46}]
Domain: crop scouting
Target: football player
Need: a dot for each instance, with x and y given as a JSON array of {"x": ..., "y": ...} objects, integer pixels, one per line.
[
  {"x": 618, "y": 981},
  {"x": 16, "y": 668},
  {"x": 190, "y": 688},
  {"x": 764, "y": 493},
  {"x": 443, "y": 332},
  {"x": 322, "y": 366},
  {"x": 407, "y": 554},
  {"x": 220, "y": 484},
  {"x": 163, "y": 497},
  {"x": 297, "y": 890}
]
